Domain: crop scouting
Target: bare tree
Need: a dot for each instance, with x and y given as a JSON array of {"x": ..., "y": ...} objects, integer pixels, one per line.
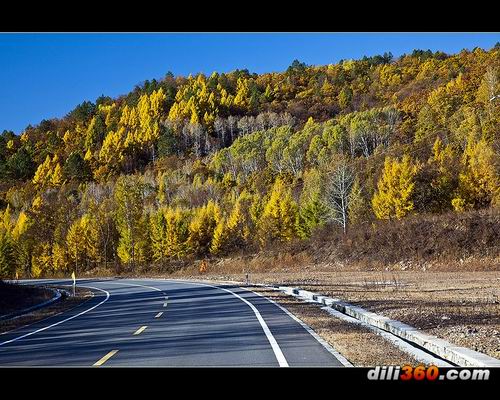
[
  {"x": 209, "y": 147},
  {"x": 386, "y": 124},
  {"x": 491, "y": 82},
  {"x": 186, "y": 137},
  {"x": 244, "y": 125},
  {"x": 252, "y": 124},
  {"x": 220, "y": 126},
  {"x": 288, "y": 119},
  {"x": 232, "y": 124},
  {"x": 393, "y": 119},
  {"x": 491, "y": 78},
  {"x": 274, "y": 119},
  {"x": 197, "y": 135},
  {"x": 337, "y": 193},
  {"x": 353, "y": 141},
  {"x": 261, "y": 121},
  {"x": 231, "y": 165}
]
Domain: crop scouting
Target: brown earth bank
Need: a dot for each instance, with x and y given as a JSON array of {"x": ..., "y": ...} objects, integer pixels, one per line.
[
  {"x": 15, "y": 297},
  {"x": 17, "y": 291},
  {"x": 468, "y": 241},
  {"x": 452, "y": 241}
]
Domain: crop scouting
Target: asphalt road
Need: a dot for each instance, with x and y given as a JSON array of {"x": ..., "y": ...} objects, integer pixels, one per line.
[{"x": 154, "y": 322}]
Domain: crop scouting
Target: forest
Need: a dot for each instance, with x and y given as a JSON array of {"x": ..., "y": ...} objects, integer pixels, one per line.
[{"x": 200, "y": 167}]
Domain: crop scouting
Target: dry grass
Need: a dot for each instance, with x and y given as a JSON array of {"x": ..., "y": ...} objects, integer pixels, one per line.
[{"x": 441, "y": 242}]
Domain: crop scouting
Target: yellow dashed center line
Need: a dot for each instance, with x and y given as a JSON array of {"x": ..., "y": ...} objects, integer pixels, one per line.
[
  {"x": 140, "y": 330},
  {"x": 137, "y": 332},
  {"x": 106, "y": 358}
]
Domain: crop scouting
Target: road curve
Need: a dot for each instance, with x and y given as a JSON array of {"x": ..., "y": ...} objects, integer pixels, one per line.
[{"x": 166, "y": 323}]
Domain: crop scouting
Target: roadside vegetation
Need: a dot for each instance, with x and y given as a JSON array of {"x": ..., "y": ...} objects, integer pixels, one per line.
[{"x": 373, "y": 162}]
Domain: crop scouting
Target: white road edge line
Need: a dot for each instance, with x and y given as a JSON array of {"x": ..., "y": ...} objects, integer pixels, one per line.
[
  {"x": 134, "y": 284},
  {"x": 144, "y": 286},
  {"x": 344, "y": 361},
  {"x": 60, "y": 322},
  {"x": 329, "y": 348},
  {"x": 272, "y": 341}
]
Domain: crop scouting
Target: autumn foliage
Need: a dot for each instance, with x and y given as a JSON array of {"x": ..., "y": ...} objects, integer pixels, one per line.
[{"x": 186, "y": 168}]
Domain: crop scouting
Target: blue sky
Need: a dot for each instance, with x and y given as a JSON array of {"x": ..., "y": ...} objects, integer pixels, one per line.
[{"x": 47, "y": 75}]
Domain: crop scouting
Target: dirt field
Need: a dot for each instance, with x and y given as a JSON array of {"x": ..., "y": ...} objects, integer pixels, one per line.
[{"x": 463, "y": 308}]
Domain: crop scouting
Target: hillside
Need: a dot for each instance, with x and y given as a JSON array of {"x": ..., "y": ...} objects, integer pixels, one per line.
[{"x": 359, "y": 156}]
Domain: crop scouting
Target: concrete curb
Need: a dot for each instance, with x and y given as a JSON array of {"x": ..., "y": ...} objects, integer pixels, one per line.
[
  {"x": 460, "y": 356},
  {"x": 421, "y": 356},
  {"x": 16, "y": 314}
]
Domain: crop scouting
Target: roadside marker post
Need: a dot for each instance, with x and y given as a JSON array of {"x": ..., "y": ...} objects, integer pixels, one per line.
[
  {"x": 246, "y": 278},
  {"x": 74, "y": 283}
]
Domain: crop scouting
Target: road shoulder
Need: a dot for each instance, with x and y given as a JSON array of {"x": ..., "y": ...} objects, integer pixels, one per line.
[{"x": 359, "y": 345}]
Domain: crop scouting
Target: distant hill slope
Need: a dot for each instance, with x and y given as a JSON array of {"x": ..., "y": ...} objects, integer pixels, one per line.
[{"x": 186, "y": 168}]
